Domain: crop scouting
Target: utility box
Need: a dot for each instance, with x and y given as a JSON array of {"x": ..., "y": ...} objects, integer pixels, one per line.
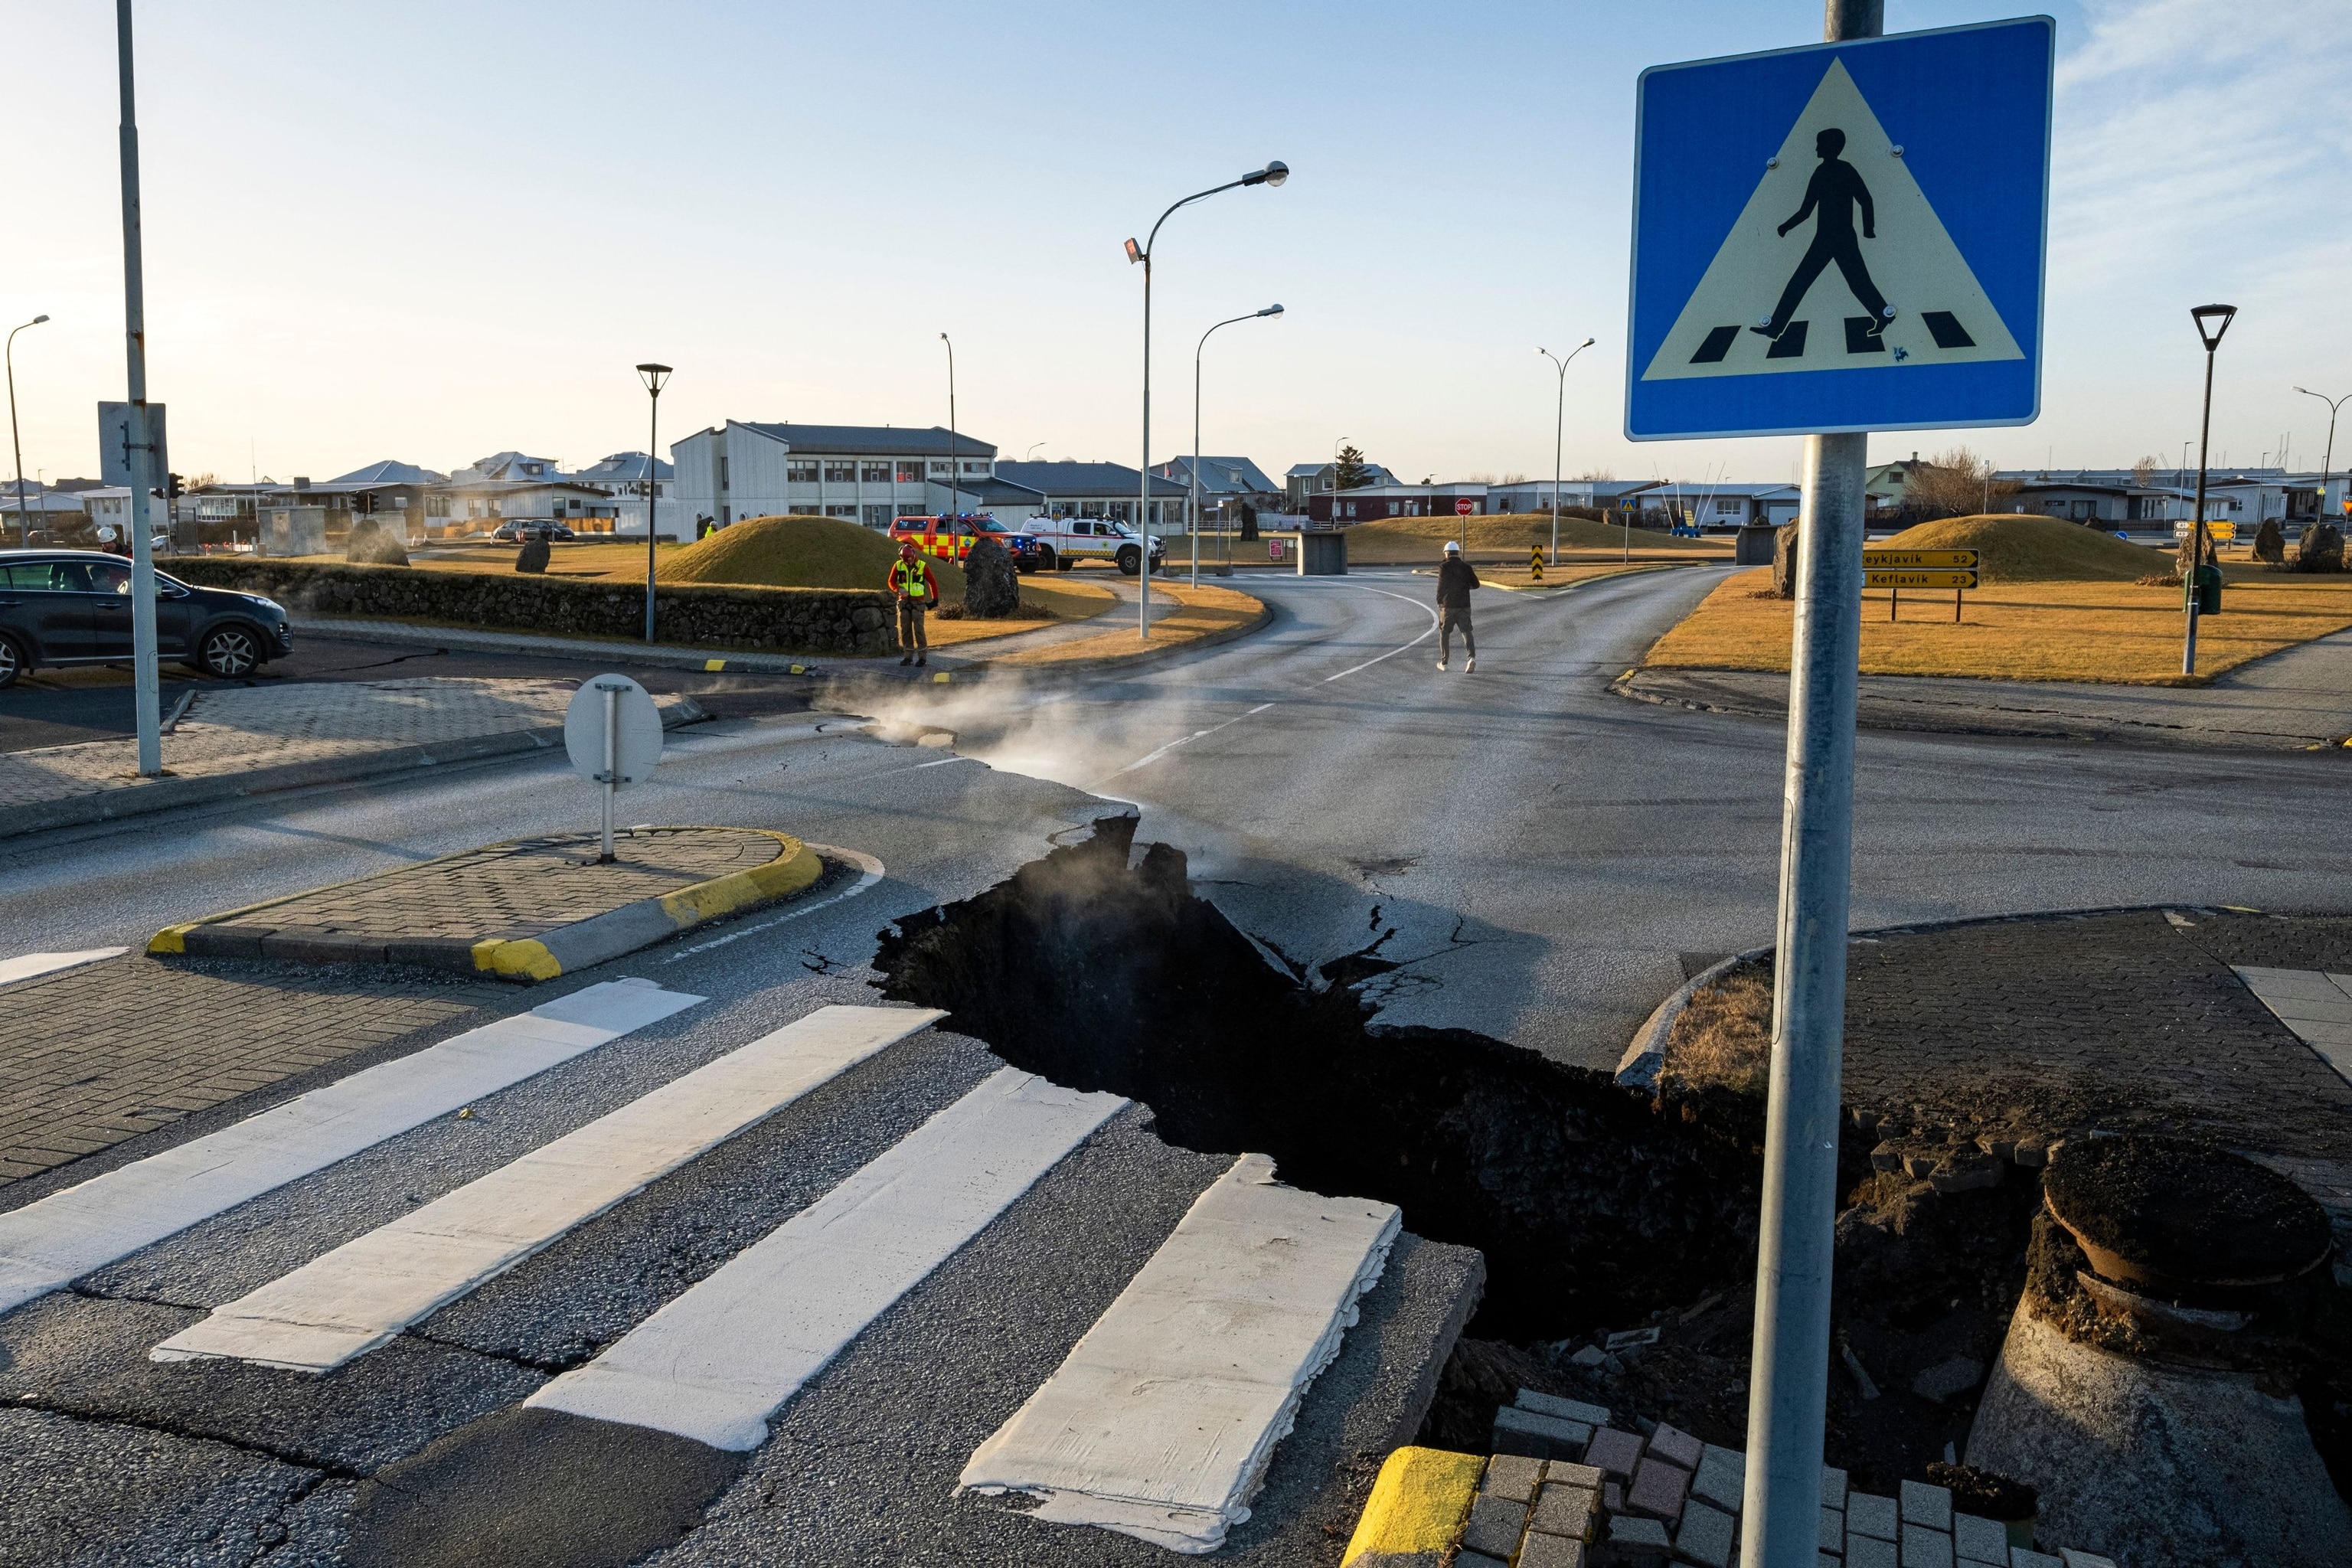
[
  {"x": 292, "y": 531},
  {"x": 1322, "y": 555},
  {"x": 1753, "y": 547}
]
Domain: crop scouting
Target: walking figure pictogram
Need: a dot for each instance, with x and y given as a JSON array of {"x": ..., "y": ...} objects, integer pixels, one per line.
[{"x": 1830, "y": 196}]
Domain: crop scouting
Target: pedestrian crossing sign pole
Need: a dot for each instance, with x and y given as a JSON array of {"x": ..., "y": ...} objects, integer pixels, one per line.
[{"x": 1828, "y": 241}]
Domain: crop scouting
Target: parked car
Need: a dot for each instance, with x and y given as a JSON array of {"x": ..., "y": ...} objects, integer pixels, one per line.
[
  {"x": 524, "y": 529},
  {"x": 951, "y": 538},
  {"x": 73, "y": 606},
  {"x": 1067, "y": 541}
]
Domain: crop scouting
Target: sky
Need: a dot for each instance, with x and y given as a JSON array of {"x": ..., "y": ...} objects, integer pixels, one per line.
[{"x": 432, "y": 231}]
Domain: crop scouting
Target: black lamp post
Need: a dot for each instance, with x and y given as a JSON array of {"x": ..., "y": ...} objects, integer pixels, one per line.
[
  {"x": 2326, "y": 462},
  {"x": 1275, "y": 173},
  {"x": 652, "y": 376},
  {"x": 2212, "y": 320},
  {"x": 24, "y": 517}
]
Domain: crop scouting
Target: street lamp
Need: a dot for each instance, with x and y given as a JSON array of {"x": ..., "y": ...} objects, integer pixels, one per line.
[
  {"x": 1559, "y": 427},
  {"x": 2212, "y": 320},
  {"x": 652, "y": 376},
  {"x": 24, "y": 517},
  {"x": 1193, "y": 503},
  {"x": 1275, "y": 173},
  {"x": 955, "y": 479},
  {"x": 2325, "y": 463}
]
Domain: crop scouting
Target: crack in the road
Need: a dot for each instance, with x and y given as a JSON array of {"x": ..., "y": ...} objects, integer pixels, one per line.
[{"x": 98, "y": 1415}]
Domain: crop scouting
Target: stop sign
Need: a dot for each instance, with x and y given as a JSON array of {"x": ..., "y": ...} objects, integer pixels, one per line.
[{"x": 1462, "y": 507}]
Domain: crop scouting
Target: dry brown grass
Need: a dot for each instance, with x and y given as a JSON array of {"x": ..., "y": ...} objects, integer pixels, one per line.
[
  {"x": 1724, "y": 1034},
  {"x": 1181, "y": 615},
  {"x": 1419, "y": 541},
  {"x": 2116, "y": 632}
]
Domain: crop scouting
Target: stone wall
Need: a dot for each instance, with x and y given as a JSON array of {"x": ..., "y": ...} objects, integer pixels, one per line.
[{"x": 812, "y": 620}]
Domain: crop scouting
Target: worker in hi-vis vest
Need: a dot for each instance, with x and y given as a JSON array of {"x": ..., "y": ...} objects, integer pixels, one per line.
[{"x": 915, "y": 589}]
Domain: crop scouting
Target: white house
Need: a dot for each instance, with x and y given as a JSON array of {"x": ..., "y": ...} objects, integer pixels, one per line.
[
  {"x": 866, "y": 473},
  {"x": 623, "y": 477}
]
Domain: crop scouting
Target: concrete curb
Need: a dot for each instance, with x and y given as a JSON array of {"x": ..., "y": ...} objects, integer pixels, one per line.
[
  {"x": 659, "y": 655},
  {"x": 563, "y": 950},
  {"x": 166, "y": 794},
  {"x": 1418, "y": 1503}
]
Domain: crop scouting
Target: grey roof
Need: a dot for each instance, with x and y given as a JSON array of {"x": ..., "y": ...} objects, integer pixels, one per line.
[
  {"x": 1374, "y": 473},
  {"x": 389, "y": 472},
  {"x": 622, "y": 468},
  {"x": 1220, "y": 476},
  {"x": 991, "y": 492},
  {"x": 873, "y": 440},
  {"x": 1086, "y": 481}
]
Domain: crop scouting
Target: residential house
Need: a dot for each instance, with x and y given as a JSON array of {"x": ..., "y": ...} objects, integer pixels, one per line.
[
  {"x": 1225, "y": 483},
  {"x": 1535, "y": 495},
  {"x": 1374, "y": 503},
  {"x": 1303, "y": 480},
  {"x": 1098, "y": 489},
  {"x": 623, "y": 476}
]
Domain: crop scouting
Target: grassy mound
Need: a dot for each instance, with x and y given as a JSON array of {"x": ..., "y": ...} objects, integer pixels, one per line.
[
  {"x": 795, "y": 552},
  {"x": 2015, "y": 549},
  {"x": 1515, "y": 530}
]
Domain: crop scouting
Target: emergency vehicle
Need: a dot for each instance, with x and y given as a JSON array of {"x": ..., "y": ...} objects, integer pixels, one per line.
[{"x": 1064, "y": 542}]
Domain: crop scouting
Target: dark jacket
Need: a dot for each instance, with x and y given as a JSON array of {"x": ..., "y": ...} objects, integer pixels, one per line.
[{"x": 1455, "y": 581}]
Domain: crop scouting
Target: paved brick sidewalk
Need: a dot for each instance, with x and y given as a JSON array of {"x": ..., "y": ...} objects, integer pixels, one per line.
[
  {"x": 503, "y": 891},
  {"x": 93, "y": 1056},
  {"x": 236, "y": 732}
]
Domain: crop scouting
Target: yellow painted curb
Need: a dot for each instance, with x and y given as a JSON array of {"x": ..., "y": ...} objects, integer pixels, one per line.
[
  {"x": 794, "y": 868},
  {"x": 1416, "y": 1507},
  {"x": 525, "y": 958}
]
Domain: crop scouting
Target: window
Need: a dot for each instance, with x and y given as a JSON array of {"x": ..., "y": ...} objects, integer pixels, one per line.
[
  {"x": 971, "y": 467},
  {"x": 841, "y": 512},
  {"x": 944, "y": 469},
  {"x": 47, "y": 577},
  {"x": 910, "y": 509},
  {"x": 722, "y": 470},
  {"x": 800, "y": 470},
  {"x": 107, "y": 579},
  {"x": 910, "y": 470},
  {"x": 877, "y": 517},
  {"x": 875, "y": 473},
  {"x": 840, "y": 471}
]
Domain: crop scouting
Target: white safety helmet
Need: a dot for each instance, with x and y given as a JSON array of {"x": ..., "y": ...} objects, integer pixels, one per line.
[{"x": 1454, "y": 547}]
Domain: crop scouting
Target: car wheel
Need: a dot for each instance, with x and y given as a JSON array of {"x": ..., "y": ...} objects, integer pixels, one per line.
[
  {"x": 12, "y": 662},
  {"x": 1130, "y": 560},
  {"x": 229, "y": 652},
  {"x": 1057, "y": 562}
]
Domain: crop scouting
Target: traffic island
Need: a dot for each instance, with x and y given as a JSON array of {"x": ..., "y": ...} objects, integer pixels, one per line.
[{"x": 524, "y": 910}]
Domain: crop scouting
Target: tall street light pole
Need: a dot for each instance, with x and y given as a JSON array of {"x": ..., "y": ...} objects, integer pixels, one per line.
[
  {"x": 652, "y": 376},
  {"x": 2326, "y": 463},
  {"x": 1558, "y": 432},
  {"x": 2212, "y": 320},
  {"x": 25, "y": 519},
  {"x": 1193, "y": 503},
  {"x": 955, "y": 474},
  {"x": 1275, "y": 173},
  {"x": 140, "y": 450}
]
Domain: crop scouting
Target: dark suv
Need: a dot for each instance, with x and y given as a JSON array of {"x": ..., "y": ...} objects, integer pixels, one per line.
[{"x": 73, "y": 606}]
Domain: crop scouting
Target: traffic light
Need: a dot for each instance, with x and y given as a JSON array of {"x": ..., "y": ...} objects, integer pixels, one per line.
[{"x": 173, "y": 488}]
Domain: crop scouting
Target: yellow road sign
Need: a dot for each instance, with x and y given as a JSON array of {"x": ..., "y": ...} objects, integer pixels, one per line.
[
  {"x": 1877, "y": 579},
  {"x": 1919, "y": 560}
]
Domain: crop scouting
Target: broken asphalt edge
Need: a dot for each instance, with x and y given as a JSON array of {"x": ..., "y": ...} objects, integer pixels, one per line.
[
  {"x": 172, "y": 792},
  {"x": 1645, "y": 1055},
  {"x": 567, "y": 949}
]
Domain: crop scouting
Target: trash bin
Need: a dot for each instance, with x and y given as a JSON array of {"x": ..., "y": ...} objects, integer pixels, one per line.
[{"x": 2209, "y": 590}]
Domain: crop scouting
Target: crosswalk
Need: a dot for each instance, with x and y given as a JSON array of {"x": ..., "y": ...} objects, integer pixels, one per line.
[{"x": 1159, "y": 1424}]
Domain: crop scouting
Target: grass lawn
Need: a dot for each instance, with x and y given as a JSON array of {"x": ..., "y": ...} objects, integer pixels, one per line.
[
  {"x": 1514, "y": 574},
  {"x": 1418, "y": 541},
  {"x": 1179, "y": 615},
  {"x": 2113, "y": 630}
]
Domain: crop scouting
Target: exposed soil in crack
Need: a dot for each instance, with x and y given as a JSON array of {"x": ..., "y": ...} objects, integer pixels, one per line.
[{"x": 1599, "y": 1207}]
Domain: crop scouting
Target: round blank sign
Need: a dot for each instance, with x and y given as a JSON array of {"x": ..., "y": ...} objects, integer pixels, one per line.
[{"x": 637, "y": 751}]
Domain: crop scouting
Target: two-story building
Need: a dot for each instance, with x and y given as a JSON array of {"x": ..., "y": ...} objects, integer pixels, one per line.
[
  {"x": 1094, "y": 490},
  {"x": 866, "y": 473}
]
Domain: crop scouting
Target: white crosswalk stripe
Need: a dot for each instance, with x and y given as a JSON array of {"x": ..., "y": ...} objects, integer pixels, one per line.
[
  {"x": 717, "y": 1361},
  {"x": 50, "y": 1243},
  {"x": 364, "y": 1293},
  {"x": 1162, "y": 1422}
]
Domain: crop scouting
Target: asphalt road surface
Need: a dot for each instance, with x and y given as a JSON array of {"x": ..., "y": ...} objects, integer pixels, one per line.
[{"x": 1541, "y": 861}]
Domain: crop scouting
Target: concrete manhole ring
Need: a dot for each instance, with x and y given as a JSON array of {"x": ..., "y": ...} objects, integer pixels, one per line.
[{"x": 2175, "y": 1214}]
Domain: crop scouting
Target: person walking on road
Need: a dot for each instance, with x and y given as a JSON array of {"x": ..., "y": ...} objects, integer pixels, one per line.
[
  {"x": 916, "y": 588},
  {"x": 1455, "y": 581}
]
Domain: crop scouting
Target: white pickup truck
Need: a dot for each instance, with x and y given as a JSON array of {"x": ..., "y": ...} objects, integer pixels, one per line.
[{"x": 1064, "y": 541}]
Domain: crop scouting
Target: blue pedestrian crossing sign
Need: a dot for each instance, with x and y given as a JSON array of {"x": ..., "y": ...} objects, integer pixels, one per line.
[{"x": 1846, "y": 237}]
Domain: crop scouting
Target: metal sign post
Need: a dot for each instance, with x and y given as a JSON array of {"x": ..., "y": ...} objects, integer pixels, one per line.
[
  {"x": 613, "y": 733},
  {"x": 1827, "y": 241}
]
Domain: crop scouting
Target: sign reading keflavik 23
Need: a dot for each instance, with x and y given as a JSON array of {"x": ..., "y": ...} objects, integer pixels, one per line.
[{"x": 1847, "y": 237}]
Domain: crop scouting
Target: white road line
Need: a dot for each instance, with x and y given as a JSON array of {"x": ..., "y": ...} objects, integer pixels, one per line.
[
  {"x": 1185, "y": 740},
  {"x": 36, "y": 964},
  {"x": 1394, "y": 651},
  {"x": 50, "y": 1243},
  {"x": 1161, "y": 1421},
  {"x": 869, "y": 871},
  {"x": 717, "y": 1362},
  {"x": 363, "y": 1293}
]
